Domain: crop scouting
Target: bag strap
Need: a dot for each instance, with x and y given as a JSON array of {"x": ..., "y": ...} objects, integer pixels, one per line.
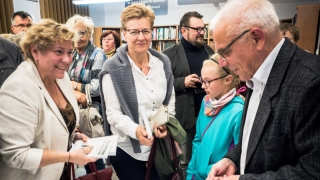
[
  {"x": 151, "y": 158},
  {"x": 175, "y": 157},
  {"x": 92, "y": 166},
  {"x": 88, "y": 95}
]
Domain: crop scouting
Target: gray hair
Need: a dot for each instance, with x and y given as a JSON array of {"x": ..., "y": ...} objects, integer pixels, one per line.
[
  {"x": 246, "y": 14},
  {"x": 76, "y": 19}
]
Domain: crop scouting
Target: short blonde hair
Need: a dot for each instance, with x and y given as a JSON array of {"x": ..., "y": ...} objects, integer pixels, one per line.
[
  {"x": 137, "y": 10},
  {"x": 44, "y": 35},
  {"x": 213, "y": 62},
  {"x": 85, "y": 20}
]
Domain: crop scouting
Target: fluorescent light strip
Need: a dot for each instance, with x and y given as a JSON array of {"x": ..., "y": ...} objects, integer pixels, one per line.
[{"x": 95, "y": 1}]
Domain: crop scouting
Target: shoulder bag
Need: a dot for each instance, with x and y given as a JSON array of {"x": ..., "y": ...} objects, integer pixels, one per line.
[{"x": 90, "y": 122}]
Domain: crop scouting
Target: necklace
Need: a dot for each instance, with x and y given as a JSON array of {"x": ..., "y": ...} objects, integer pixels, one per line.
[{"x": 57, "y": 95}]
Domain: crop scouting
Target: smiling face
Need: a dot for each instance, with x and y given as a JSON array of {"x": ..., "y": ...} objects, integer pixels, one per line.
[
  {"x": 193, "y": 36},
  {"x": 84, "y": 37},
  {"x": 138, "y": 43},
  {"x": 108, "y": 43},
  {"x": 53, "y": 63}
]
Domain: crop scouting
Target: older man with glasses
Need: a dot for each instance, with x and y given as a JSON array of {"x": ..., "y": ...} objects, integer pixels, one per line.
[
  {"x": 186, "y": 58},
  {"x": 21, "y": 21},
  {"x": 280, "y": 131}
]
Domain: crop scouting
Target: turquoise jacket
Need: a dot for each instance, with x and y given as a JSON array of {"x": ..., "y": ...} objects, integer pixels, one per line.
[{"x": 224, "y": 130}]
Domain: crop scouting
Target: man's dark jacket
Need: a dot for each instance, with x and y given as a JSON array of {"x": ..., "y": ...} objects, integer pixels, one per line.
[
  {"x": 285, "y": 139},
  {"x": 10, "y": 58}
]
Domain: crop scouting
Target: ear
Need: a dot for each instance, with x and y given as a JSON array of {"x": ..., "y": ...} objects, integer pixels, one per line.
[
  {"x": 228, "y": 80},
  {"x": 183, "y": 31},
  {"x": 124, "y": 34},
  {"x": 259, "y": 38},
  {"x": 34, "y": 51}
]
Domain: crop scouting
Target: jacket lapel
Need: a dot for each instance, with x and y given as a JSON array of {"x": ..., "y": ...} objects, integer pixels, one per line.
[
  {"x": 183, "y": 58},
  {"x": 273, "y": 85},
  {"x": 33, "y": 70}
]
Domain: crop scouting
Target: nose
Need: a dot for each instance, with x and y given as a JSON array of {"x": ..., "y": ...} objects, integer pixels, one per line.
[
  {"x": 203, "y": 86},
  {"x": 222, "y": 62}
]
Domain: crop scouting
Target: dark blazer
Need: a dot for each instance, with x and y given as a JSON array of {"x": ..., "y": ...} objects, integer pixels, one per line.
[
  {"x": 285, "y": 139},
  {"x": 10, "y": 58},
  {"x": 185, "y": 108}
]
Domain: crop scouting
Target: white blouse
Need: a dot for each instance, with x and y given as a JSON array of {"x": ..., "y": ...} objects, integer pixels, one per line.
[{"x": 151, "y": 91}]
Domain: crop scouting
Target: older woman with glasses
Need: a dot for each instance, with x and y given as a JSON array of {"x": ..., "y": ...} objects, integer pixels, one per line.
[
  {"x": 135, "y": 76},
  {"x": 218, "y": 123},
  {"x": 110, "y": 41},
  {"x": 86, "y": 65}
]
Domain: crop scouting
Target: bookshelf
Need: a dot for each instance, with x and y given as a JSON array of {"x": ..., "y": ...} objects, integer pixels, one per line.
[{"x": 162, "y": 36}]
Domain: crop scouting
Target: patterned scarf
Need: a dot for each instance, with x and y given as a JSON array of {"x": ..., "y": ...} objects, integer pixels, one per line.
[{"x": 213, "y": 106}]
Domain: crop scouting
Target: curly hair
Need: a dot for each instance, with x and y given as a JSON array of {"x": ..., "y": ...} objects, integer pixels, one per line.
[{"x": 44, "y": 35}]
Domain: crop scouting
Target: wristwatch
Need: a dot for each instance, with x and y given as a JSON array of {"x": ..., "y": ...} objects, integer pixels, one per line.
[{"x": 75, "y": 86}]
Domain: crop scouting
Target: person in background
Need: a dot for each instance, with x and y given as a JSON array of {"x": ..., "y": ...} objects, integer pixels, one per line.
[
  {"x": 110, "y": 41},
  {"x": 135, "y": 76},
  {"x": 86, "y": 66},
  {"x": 218, "y": 123},
  {"x": 39, "y": 119},
  {"x": 10, "y": 58},
  {"x": 21, "y": 21},
  {"x": 280, "y": 131},
  {"x": 290, "y": 31},
  {"x": 186, "y": 58}
]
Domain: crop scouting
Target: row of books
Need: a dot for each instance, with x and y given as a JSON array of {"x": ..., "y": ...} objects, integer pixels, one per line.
[
  {"x": 161, "y": 45},
  {"x": 164, "y": 33}
]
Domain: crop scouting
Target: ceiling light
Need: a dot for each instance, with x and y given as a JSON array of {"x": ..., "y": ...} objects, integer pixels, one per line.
[{"x": 95, "y": 1}]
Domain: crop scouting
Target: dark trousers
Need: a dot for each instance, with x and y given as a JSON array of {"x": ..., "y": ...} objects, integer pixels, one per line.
[
  {"x": 128, "y": 168},
  {"x": 99, "y": 164}
]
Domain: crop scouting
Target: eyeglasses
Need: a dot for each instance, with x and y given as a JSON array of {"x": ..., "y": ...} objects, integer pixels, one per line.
[
  {"x": 199, "y": 29},
  {"x": 222, "y": 51},
  {"x": 136, "y": 32},
  {"x": 207, "y": 83},
  {"x": 107, "y": 39},
  {"x": 82, "y": 33},
  {"x": 20, "y": 26}
]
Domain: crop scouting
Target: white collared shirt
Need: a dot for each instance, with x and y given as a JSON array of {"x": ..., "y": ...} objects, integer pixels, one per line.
[
  {"x": 151, "y": 91},
  {"x": 257, "y": 83}
]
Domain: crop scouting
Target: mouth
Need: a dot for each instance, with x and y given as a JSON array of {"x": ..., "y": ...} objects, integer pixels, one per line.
[{"x": 61, "y": 68}]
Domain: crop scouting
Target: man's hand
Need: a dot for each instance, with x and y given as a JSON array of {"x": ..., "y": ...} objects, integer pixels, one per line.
[
  {"x": 222, "y": 169},
  {"x": 191, "y": 80}
]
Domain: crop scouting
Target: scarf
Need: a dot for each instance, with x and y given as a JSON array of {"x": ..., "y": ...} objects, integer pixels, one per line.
[
  {"x": 110, "y": 53},
  {"x": 213, "y": 106}
]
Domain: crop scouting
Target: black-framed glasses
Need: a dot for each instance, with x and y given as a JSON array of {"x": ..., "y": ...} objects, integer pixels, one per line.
[
  {"x": 207, "y": 83},
  {"x": 222, "y": 51},
  {"x": 136, "y": 32},
  {"x": 199, "y": 29},
  {"x": 22, "y": 25}
]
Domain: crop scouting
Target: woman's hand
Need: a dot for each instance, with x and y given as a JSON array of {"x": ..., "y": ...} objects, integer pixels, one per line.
[
  {"x": 161, "y": 131},
  {"x": 80, "y": 156},
  {"x": 142, "y": 136},
  {"x": 80, "y": 136},
  {"x": 81, "y": 98}
]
